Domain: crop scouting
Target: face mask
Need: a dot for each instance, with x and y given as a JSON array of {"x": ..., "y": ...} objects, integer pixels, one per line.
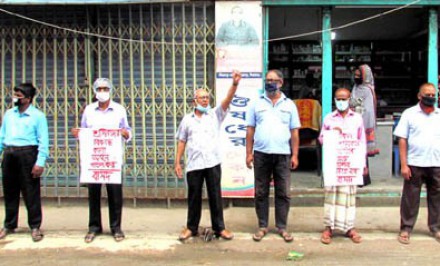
[
  {"x": 203, "y": 109},
  {"x": 103, "y": 96},
  {"x": 16, "y": 101},
  {"x": 341, "y": 105},
  {"x": 428, "y": 101},
  {"x": 271, "y": 88},
  {"x": 357, "y": 81}
]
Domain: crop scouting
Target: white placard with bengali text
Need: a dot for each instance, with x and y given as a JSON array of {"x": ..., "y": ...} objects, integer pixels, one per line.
[
  {"x": 344, "y": 159},
  {"x": 100, "y": 155}
]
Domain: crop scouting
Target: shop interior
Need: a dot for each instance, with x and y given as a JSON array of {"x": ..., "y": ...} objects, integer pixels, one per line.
[{"x": 393, "y": 45}]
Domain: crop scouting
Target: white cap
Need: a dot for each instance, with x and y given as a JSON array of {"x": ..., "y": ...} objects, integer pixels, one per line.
[{"x": 102, "y": 82}]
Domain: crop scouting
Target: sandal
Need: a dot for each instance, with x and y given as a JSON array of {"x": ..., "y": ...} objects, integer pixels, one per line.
[
  {"x": 118, "y": 236},
  {"x": 285, "y": 235},
  {"x": 89, "y": 237},
  {"x": 326, "y": 236},
  {"x": 354, "y": 236},
  {"x": 260, "y": 234},
  {"x": 403, "y": 237}
]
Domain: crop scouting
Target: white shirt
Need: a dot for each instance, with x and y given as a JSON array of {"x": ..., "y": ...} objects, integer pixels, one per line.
[
  {"x": 202, "y": 137},
  {"x": 115, "y": 116},
  {"x": 423, "y": 134}
]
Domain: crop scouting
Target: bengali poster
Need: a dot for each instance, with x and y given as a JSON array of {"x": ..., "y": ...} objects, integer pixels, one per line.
[
  {"x": 100, "y": 155},
  {"x": 238, "y": 46}
]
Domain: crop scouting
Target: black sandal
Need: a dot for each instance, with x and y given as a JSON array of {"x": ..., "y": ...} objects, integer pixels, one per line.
[
  {"x": 118, "y": 236},
  {"x": 89, "y": 237}
]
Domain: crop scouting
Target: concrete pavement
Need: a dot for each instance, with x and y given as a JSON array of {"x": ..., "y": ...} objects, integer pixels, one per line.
[{"x": 154, "y": 231}]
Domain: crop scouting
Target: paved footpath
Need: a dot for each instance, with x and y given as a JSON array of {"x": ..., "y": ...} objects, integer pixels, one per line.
[{"x": 151, "y": 239}]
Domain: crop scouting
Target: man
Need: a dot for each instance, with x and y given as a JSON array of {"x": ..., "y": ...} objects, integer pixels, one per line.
[
  {"x": 199, "y": 132},
  {"x": 105, "y": 113},
  {"x": 236, "y": 31},
  {"x": 340, "y": 201},
  {"x": 272, "y": 146},
  {"x": 419, "y": 150},
  {"x": 24, "y": 140}
]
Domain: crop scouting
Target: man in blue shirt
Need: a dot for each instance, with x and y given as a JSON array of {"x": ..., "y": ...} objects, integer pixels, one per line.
[
  {"x": 24, "y": 140},
  {"x": 272, "y": 146},
  {"x": 419, "y": 149}
]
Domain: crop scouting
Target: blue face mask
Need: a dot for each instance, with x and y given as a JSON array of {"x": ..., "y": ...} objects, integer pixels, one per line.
[
  {"x": 203, "y": 109},
  {"x": 270, "y": 87},
  {"x": 341, "y": 105}
]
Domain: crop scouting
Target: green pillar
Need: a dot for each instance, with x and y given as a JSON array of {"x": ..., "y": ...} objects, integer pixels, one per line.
[
  {"x": 265, "y": 42},
  {"x": 327, "y": 74},
  {"x": 432, "y": 47}
]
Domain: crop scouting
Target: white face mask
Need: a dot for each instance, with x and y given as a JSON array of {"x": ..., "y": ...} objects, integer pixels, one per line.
[
  {"x": 341, "y": 105},
  {"x": 103, "y": 96}
]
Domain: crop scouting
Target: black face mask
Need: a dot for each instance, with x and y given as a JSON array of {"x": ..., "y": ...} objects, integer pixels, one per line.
[
  {"x": 17, "y": 102},
  {"x": 428, "y": 101},
  {"x": 357, "y": 81}
]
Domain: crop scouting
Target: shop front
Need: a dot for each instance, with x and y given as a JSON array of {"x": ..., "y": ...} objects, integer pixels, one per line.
[{"x": 318, "y": 44}]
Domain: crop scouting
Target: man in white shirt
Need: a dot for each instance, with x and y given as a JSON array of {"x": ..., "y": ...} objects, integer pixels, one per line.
[
  {"x": 199, "y": 133},
  {"x": 105, "y": 113}
]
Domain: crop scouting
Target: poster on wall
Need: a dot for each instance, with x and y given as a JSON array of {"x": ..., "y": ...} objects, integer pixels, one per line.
[
  {"x": 344, "y": 159},
  {"x": 238, "y": 42},
  {"x": 100, "y": 155}
]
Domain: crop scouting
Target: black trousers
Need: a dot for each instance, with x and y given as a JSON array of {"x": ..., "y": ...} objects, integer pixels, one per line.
[
  {"x": 266, "y": 166},
  {"x": 195, "y": 181},
  {"x": 16, "y": 168},
  {"x": 410, "y": 202},
  {"x": 114, "y": 194}
]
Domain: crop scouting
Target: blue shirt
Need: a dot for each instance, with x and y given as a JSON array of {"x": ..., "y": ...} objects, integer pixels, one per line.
[
  {"x": 26, "y": 129},
  {"x": 273, "y": 124},
  {"x": 422, "y": 132}
]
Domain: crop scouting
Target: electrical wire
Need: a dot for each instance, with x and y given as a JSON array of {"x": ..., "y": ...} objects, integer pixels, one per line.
[{"x": 97, "y": 35}]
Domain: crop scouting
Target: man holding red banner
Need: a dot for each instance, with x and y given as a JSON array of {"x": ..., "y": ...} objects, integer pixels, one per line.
[{"x": 340, "y": 201}]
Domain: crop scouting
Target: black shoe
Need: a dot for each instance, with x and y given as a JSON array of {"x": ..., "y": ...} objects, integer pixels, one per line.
[
  {"x": 5, "y": 231},
  {"x": 36, "y": 235}
]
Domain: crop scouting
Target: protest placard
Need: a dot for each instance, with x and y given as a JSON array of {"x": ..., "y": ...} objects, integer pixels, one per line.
[
  {"x": 344, "y": 159},
  {"x": 100, "y": 155}
]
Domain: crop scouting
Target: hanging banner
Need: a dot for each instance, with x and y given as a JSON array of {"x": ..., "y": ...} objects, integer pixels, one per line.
[
  {"x": 344, "y": 159},
  {"x": 100, "y": 155},
  {"x": 238, "y": 44}
]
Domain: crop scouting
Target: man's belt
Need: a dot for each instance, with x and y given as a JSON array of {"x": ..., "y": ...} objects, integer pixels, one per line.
[{"x": 20, "y": 148}]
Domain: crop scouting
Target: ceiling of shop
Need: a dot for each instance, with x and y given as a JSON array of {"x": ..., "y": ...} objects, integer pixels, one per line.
[{"x": 400, "y": 25}]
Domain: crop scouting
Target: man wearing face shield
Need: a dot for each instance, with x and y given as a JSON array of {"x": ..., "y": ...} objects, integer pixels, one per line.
[
  {"x": 419, "y": 150},
  {"x": 272, "y": 143},
  {"x": 199, "y": 134},
  {"x": 24, "y": 140},
  {"x": 340, "y": 201},
  {"x": 105, "y": 113}
]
